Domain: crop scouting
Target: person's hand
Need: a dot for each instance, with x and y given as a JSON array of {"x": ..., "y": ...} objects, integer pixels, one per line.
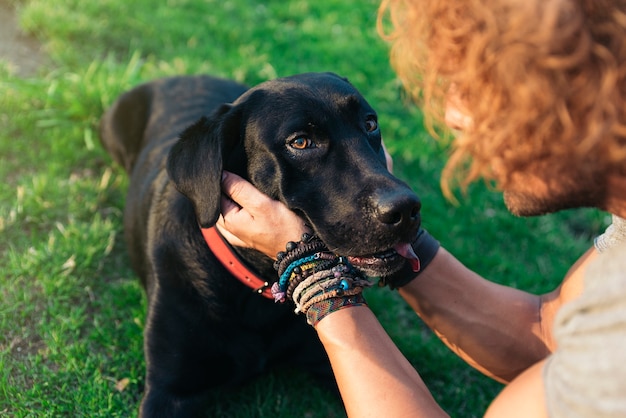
[{"x": 251, "y": 219}]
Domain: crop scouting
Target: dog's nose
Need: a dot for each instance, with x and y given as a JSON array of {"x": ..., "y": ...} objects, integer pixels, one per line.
[{"x": 399, "y": 209}]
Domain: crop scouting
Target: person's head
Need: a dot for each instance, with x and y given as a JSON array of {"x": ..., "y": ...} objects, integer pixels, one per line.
[{"x": 540, "y": 86}]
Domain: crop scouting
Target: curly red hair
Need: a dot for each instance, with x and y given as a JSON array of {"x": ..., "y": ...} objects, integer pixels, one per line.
[{"x": 544, "y": 81}]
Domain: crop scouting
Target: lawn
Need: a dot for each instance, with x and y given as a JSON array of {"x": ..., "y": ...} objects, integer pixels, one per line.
[{"x": 71, "y": 309}]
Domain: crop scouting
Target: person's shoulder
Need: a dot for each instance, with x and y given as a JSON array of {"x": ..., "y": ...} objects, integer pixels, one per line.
[
  {"x": 603, "y": 296},
  {"x": 608, "y": 269}
]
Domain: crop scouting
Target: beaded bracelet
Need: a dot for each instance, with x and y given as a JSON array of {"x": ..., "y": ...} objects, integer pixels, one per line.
[{"x": 316, "y": 280}]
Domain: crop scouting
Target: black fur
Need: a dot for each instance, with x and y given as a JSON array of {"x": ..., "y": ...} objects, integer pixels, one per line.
[{"x": 204, "y": 327}]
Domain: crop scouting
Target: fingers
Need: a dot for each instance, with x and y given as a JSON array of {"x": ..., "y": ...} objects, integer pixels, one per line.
[
  {"x": 233, "y": 218},
  {"x": 253, "y": 219},
  {"x": 241, "y": 192},
  {"x": 230, "y": 209},
  {"x": 233, "y": 214}
]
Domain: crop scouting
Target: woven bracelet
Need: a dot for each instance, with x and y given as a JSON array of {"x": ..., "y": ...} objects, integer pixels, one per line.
[
  {"x": 319, "y": 310},
  {"x": 316, "y": 280}
]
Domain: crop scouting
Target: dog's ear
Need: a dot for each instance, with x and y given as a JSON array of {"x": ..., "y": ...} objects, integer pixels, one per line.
[{"x": 194, "y": 163}]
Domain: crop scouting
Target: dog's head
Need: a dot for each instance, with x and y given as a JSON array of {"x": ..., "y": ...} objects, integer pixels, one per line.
[{"x": 313, "y": 142}]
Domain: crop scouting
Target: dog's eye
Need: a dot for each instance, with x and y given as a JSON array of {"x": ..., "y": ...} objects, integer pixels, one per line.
[
  {"x": 301, "y": 142},
  {"x": 371, "y": 124}
]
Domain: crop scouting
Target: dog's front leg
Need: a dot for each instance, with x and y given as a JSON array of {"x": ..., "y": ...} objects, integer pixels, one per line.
[{"x": 178, "y": 355}]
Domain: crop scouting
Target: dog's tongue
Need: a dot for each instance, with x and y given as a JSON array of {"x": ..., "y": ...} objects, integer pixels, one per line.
[{"x": 406, "y": 251}]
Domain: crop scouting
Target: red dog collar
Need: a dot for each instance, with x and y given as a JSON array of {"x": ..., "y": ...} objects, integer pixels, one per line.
[{"x": 233, "y": 264}]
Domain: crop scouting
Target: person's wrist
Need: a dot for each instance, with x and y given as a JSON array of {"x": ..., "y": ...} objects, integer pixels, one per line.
[
  {"x": 320, "y": 310},
  {"x": 425, "y": 247}
]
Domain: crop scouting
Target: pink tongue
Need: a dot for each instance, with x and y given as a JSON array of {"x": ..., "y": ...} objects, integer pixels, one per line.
[{"x": 406, "y": 251}]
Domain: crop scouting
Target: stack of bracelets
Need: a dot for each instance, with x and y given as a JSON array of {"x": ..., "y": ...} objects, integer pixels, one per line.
[{"x": 316, "y": 280}]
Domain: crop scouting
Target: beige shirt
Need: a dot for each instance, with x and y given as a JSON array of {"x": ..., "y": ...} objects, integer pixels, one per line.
[{"x": 586, "y": 375}]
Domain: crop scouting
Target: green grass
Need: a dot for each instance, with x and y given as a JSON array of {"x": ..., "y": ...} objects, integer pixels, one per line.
[{"x": 72, "y": 311}]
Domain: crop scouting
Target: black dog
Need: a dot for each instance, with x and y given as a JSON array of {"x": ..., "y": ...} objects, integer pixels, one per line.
[{"x": 310, "y": 141}]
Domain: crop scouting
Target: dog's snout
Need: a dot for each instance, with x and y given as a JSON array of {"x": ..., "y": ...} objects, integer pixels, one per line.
[{"x": 399, "y": 209}]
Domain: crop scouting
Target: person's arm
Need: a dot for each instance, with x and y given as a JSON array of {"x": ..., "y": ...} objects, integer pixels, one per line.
[
  {"x": 499, "y": 330},
  {"x": 374, "y": 378}
]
